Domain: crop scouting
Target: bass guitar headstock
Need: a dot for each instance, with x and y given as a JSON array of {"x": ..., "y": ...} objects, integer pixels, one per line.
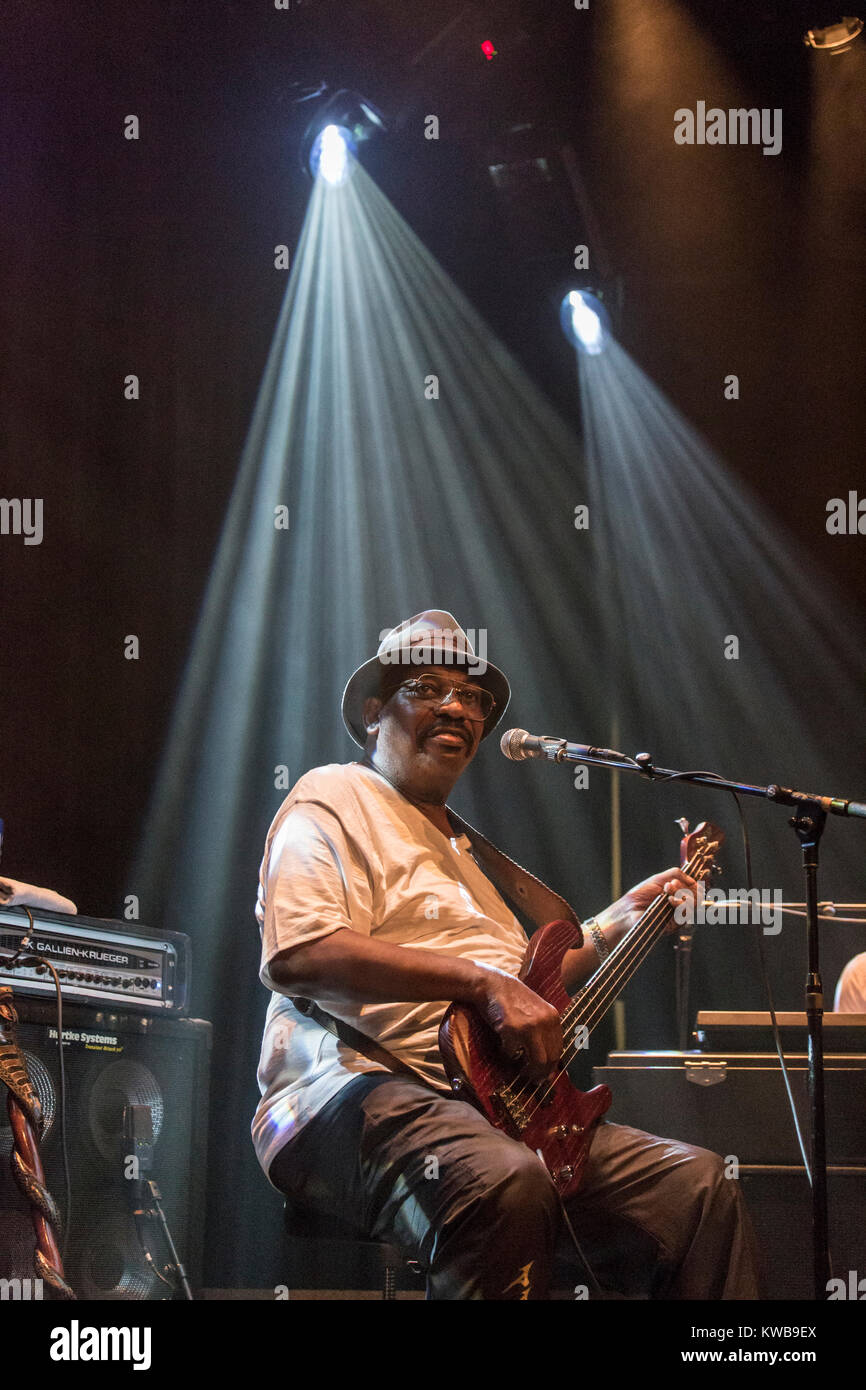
[{"x": 698, "y": 848}]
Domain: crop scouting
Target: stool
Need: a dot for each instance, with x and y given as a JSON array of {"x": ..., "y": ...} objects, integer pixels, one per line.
[{"x": 304, "y": 1224}]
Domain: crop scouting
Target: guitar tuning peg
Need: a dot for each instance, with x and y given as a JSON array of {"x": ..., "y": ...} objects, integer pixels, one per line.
[
  {"x": 716, "y": 870},
  {"x": 683, "y": 825}
]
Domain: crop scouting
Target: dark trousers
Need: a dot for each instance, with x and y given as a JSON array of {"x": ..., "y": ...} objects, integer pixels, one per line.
[{"x": 429, "y": 1174}]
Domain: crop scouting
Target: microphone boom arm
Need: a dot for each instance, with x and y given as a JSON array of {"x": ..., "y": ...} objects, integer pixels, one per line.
[{"x": 517, "y": 745}]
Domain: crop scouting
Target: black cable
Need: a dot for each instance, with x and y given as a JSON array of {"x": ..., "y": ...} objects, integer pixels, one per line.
[
  {"x": 650, "y": 772},
  {"x": 777, "y": 1041},
  {"x": 571, "y": 1231},
  {"x": 141, "y": 1215},
  {"x": 747, "y": 854}
]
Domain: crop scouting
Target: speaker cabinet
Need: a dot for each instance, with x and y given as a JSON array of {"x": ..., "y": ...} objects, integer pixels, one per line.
[
  {"x": 780, "y": 1205},
  {"x": 112, "y": 1061},
  {"x": 735, "y": 1104}
]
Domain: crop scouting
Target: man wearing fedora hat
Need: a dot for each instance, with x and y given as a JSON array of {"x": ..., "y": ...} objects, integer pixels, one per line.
[{"x": 376, "y": 902}]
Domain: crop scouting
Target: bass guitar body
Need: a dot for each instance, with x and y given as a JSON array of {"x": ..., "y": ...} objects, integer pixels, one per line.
[{"x": 553, "y": 1118}]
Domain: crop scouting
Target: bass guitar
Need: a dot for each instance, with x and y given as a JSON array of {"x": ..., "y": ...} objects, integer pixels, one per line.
[{"x": 552, "y": 1116}]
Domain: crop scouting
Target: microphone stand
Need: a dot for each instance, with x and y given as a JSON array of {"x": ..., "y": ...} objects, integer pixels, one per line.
[
  {"x": 137, "y": 1157},
  {"x": 683, "y": 957},
  {"x": 808, "y": 823}
]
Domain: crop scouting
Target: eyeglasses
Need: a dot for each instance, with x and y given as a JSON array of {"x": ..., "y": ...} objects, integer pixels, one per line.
[{"x": 477, "y": 702}]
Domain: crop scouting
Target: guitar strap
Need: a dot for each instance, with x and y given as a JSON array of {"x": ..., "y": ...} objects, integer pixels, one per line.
[
  {"x": 359, "y": 1042},
  {"x": 525, "y": 892}
]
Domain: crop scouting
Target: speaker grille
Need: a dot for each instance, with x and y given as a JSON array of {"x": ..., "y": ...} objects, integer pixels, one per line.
[
  {"x": 109, "y": 1257},
  {"x": 43, "y": 1085},
  {"x": 112, "y": 1061},
  {"x": 114, "y": 1087}
]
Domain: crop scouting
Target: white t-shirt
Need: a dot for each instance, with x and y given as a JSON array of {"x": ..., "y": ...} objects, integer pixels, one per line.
[
  {"x": 346, "y": 850},
  {"x": 851, "y": 989}
]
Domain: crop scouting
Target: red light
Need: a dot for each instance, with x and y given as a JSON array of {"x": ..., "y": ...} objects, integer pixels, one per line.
[{"x": 488, "y": 50}]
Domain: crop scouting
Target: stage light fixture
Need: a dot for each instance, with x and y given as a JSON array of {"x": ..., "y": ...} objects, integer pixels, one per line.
[
  {"x": 344, "y": 114},
  {"x": 835, "y": 38},
  {"x": 585, "y": 321},
  {"x": 332, "y": 155}
]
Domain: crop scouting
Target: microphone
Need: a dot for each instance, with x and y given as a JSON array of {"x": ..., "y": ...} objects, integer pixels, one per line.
[{"x": 518, "y": 745}]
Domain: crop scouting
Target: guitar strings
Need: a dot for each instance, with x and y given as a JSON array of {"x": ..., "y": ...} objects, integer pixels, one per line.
[
  {"x": 618, "y": 974},
  {"x": 598, "y": 1002},
  {"x": 611, "y": 981},
  {"x": 622, "y": 964}
]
